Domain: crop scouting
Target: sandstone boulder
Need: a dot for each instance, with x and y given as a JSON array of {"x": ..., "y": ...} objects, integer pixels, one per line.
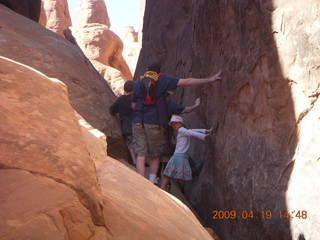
[
  {"x": 51, "y": 190},
  {"x": 50, "y": 187},
  {"x": 147, "y": 211},
  {"x": 104, "y": 49},
  {"x": 40, "y": 48},
  {"x": 38, "y": 207},
  {"x": 57, "y": 15},
  {"x": 91, "y": 11},
  {"x": 91, "y": 33},
  {"x": 40, "y": 134},
  {"x": 95, "y": 141}
]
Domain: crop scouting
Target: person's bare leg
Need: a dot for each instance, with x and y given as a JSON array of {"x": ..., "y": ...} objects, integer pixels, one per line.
[
  {"x": 164, "y": 160},
  {"x": 165, "y": 181},
  {"x": 141, "y": 169},
  {"x": 133, "y": 156},
  {"x": 154, "y": 166}
]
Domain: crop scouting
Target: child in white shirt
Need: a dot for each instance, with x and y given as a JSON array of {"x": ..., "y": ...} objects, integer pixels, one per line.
[{"x": 178, "y": 166}]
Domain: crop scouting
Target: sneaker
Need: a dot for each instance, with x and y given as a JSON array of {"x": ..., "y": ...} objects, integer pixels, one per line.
[{"x": 157, "y": 181}]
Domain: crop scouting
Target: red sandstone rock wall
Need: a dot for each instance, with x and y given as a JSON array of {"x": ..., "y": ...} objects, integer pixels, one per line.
[
  {"x": 104, "y": 49},
  {"x": 102, "y": 46},
  {"x": 91, "y": 11},
  {"x": 57, "y": 182},
  {"x": 265, "y": 154},
  {"x": 57, "y": 15},
  {"x": 30, "y": 43},
  {"x": 91, "y": 33},
  {"x": 39, "y": 140}
]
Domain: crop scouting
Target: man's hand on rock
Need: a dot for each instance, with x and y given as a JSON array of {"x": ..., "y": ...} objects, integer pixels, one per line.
[{"x": 217, "y": 76}]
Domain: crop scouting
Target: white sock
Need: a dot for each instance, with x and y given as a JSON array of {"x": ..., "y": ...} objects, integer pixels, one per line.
[{"x": 152, "y": 177}]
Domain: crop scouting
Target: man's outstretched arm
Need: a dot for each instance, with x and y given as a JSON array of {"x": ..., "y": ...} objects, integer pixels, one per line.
[
  {"x": 199, "y": 81},
  {"x": 193, "y": 107}
]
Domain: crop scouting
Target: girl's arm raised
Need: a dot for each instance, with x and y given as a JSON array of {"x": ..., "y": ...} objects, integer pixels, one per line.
[
  {"x": 202, "y": 130},
  {"x": 198, "y": 133}
]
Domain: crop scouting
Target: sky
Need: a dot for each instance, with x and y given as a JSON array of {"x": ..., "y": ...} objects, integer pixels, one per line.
[{"x": 122, "y": 13}]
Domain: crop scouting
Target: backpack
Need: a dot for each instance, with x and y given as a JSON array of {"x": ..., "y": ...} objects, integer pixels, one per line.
[
  {"x": 148, "y": 87},
  {"x": 148, "y": 90}
]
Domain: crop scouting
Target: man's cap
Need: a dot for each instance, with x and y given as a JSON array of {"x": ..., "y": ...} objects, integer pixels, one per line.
[
  {"x": 154, "y": 64},
  {"x": 176, "y": 118}
]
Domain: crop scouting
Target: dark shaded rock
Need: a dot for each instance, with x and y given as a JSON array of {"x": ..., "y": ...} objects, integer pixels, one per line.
[
  {"x": 28, "y": 8},
  {"x": 265, "y": 105}
]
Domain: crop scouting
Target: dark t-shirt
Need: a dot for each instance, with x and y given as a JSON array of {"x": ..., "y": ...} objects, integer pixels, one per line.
[
  {"x": 158, "y": 112},
  {"x": 123, "y": 106}
]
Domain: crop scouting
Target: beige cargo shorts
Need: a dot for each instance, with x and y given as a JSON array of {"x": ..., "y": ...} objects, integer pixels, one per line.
[{"x": 148, "y": 139}]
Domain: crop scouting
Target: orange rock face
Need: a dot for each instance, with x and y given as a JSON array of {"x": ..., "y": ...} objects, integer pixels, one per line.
[
  {"x": 57, "y": 180},
  {"x": 99, "y": 44},
  {"x": 57, "y": 15},
  {"x": 42, "y": 135},
  {"x": 91, "y": 33},
  {"x": 91, "y": 11},
  {"x": 30, "y": 43},
  {"x": 38, "y": 207},
  {"x": 147, "y": 211},
  {"x": 104, "y": 49}
]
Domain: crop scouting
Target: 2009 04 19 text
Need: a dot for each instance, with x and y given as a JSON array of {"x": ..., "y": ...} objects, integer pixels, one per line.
[{"x": 227, "y": 214}]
